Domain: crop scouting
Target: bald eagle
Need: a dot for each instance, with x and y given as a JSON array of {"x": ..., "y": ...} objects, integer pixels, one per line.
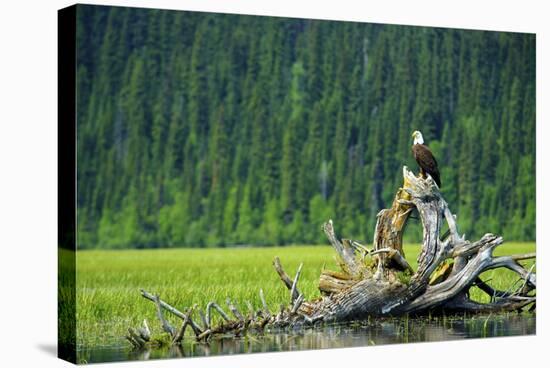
[{"x": 425, "y": 159}]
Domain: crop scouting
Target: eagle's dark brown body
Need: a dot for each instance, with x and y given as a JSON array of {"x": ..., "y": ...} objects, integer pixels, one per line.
[{"x": 426, "y": 161}]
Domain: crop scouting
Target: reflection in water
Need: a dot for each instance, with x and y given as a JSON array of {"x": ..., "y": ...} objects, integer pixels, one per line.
[{"x": 376, "y": 332}]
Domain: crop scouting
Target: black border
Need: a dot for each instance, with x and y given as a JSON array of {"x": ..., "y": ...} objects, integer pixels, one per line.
[{"x": 66, "y": 186}]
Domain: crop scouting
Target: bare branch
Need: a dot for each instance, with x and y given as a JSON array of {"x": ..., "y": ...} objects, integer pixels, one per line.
[
  {"x": 510, "y": 263},
  {"x": 522, "y": 257},
  {"x": 163, "y": 304},
  {"x": 203, "y": 319},
  {"x": 345, "y": 252},
  {"x": 166, "y": 326},
  {"x": 284, "y": 277},
  {"x": 145, "y": 332},
  {"x": 383, "y": 250},
  {"x": 196, "y": 329},
  {"x": 489, "y": 290},
  {"x": 134, "y": 337},
  {"x": 294, "y": 285},
  {"x": 181, "y": 332},
  {"x": 209, "y": 307},
  {"x": 234, "y": 310},
  {"x": 297, "y": 304}
]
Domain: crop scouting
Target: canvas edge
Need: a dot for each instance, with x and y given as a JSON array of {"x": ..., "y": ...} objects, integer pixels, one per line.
[{"x": 66, "y": 176}]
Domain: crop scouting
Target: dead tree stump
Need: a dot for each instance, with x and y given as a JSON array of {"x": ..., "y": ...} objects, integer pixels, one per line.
[{"x": 380, "y": 281}]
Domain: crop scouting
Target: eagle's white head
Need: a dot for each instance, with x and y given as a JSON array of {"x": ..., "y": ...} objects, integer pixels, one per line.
[{"x": 418, "y": 139}]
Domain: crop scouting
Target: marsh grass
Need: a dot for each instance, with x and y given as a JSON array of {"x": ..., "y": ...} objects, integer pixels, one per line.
[{"x": 108, "y": 282}]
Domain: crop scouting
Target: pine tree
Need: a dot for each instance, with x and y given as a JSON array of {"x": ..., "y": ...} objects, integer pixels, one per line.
[{"x": 198, "y": 129}]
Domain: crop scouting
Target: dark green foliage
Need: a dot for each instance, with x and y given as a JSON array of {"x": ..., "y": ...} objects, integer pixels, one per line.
[{"x": 199, "y": 129}]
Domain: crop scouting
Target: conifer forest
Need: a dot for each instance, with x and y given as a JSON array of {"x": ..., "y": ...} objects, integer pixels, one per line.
[{"x": 206, "y": 130}]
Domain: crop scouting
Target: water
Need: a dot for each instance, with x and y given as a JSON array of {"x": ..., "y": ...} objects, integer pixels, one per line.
[{"x": 374, "y": 332}]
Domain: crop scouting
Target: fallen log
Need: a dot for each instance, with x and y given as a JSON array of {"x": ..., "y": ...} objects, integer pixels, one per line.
[{"x": 371, "y": 282}]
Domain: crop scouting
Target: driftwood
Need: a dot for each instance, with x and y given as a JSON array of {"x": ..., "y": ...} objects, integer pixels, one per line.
[{"x": 378, "y": 281}]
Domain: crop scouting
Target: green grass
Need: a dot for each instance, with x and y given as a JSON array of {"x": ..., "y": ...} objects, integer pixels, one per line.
[{"x": 108, "y": 282}]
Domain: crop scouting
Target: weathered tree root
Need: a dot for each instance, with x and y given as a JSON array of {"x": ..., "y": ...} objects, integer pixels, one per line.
[{"x": 448, "y": 266}]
